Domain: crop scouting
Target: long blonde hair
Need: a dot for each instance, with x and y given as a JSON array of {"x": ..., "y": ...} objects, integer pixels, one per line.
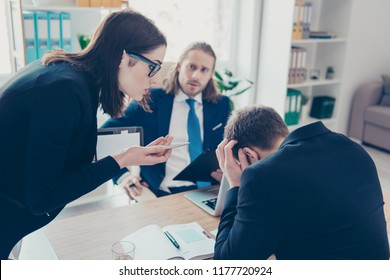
[{"x": 171, "y": 84}]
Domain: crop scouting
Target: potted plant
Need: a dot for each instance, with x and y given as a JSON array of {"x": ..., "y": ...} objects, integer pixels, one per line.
[
  {"x": 329, "y": 73},
  {"x": 84, "y": 40},
  {"x": 230, "y": 85}
]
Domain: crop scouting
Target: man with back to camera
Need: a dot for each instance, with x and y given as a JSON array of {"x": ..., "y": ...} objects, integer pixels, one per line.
[
  {"x": 191, "y": 78},
  {"x": 308, "y": 194}
]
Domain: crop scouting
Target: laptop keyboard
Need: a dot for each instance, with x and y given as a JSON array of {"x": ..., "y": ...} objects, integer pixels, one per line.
[{"x": 210, "y": 203}]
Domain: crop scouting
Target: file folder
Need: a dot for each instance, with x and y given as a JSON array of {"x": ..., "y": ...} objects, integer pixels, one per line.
[
  {"x": 42, "y": 33},
  {"x": 54, "y": 31},
  {"x": 292, "y": 107},
  {"x": 31, "y": 41},
  {"x": 66, "y": 34}
]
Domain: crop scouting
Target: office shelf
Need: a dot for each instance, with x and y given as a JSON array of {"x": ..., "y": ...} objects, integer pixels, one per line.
[{"x": 275, "y": 49}]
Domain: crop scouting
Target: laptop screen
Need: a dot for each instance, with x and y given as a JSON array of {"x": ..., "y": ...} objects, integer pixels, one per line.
[{"x": 111, "y": 140}]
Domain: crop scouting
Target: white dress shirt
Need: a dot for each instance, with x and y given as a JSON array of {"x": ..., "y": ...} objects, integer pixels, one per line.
[{"x": 180, "y": 157}]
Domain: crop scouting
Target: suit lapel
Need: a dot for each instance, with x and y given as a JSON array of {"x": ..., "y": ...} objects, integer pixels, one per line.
[{"x": 165, "y": 104}]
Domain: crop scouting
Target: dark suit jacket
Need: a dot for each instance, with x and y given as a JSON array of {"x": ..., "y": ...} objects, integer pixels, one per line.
[
  {"x": 317, "y": 197},
  {"x": 48, "y": 140},
  {"x": 156, "y": 124}
]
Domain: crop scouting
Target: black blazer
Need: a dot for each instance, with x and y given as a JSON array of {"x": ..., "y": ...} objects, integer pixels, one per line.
[
  {"x": 317, "y": 197},
  {"x": 48, "y": 140},
  {"x": 156, "y": 124}
]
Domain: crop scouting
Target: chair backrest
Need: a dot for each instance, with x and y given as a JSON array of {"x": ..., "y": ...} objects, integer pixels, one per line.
[{"x": 366, "y": 95}]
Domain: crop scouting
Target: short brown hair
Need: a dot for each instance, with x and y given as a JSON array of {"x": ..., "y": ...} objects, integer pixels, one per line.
[
  {"x": 171, "y": 84},
  {"x": 255, "y": 126},
  {"x": 123, "y": 30}
]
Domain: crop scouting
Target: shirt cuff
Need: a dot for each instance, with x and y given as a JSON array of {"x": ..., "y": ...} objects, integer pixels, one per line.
[{"x": 124, "y": 175}]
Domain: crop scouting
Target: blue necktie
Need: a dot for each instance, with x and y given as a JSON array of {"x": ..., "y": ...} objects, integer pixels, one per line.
[
  {"x": 194, "y": 137},
  {"x": 193, "y": 129}
]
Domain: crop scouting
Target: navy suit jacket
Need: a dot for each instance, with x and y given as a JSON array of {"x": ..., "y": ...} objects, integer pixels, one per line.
[
  {"x": 317, "y": 197},
  {"x": 48, "y": 141},
  {"x": 156, "y": 124}
]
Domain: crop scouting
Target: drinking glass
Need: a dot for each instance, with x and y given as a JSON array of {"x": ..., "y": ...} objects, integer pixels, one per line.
[{"x": 123, "y": 250}]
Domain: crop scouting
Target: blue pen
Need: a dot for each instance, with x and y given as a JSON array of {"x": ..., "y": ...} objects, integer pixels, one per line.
[{"x": 170, "y": 237}]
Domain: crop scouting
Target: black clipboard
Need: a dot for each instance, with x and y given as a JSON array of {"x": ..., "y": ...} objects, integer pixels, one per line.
[{"x": 200, "y": 168}]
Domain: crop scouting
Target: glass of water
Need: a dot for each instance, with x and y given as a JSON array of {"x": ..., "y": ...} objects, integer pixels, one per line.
[{"x": 123, "y": 250}]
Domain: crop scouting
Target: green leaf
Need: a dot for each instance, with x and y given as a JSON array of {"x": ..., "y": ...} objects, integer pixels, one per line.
[
  {"x": 241, "y": 91},
  {"x": 218, "y": 76},
  {"x": 225, "y": 86},
  {"x": 233, "y": 84},
  {"x": 231, "y": 104},
  {"x": 228, "y": 72},
  {"x": 221, "y": 85}
]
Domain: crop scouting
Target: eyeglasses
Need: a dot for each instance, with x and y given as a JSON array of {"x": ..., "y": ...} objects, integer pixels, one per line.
[{"x": 154, "y": 67}]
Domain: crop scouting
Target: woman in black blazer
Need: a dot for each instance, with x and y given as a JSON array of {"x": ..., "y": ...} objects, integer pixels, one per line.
[{"x": 48, "y": 122}]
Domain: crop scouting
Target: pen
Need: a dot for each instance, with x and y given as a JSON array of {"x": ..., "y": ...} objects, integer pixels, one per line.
[
  {"x": 217, "y": 126},
  {"x": 170, "y": 237}
]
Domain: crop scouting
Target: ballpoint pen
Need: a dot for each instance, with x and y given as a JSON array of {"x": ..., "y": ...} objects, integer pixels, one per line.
[{"x": 170, "y": 237}]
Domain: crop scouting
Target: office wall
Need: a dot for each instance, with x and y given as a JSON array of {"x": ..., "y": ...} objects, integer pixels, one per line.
[
  {"x": 247, "y": 46},
  {"x": 368, "y": 50}
]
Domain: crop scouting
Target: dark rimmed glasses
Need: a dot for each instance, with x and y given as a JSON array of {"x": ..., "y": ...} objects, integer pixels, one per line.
[{"x": 154, "y": 67}]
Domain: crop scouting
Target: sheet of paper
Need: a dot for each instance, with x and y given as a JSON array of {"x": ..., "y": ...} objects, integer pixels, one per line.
[{"x": 113, "y": 143}]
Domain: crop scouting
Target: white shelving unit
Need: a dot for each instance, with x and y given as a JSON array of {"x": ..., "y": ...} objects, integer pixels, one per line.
[
  {"x": 88, "y": 16},
  {"x": 327, "y": 15},
  {"x": 84, "y": 20}
]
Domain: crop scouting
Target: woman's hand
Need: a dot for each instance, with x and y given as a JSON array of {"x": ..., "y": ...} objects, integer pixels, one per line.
[{"x": 153, "y": 153}]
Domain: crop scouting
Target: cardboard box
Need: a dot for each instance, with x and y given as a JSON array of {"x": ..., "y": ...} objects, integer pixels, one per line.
[
  {"x": 95, "y": 3},
  {"x": 82, "y": 3},
  {"x": 116, "y": 3},
  {"x": 107, "y": 3}
]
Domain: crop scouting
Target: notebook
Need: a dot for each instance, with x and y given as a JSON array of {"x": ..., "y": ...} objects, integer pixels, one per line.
[
  {"x": 210, "y": 200},
  {"x": 155, "y": 243},
  {"x": 200, "y": 168}
]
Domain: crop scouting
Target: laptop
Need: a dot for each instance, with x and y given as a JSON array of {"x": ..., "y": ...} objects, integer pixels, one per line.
[
  {"x": 210, "y": 200},
  {"x": 113, "y": 139}
]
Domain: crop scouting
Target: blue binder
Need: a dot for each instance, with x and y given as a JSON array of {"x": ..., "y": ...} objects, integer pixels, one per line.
[
  {"x": 54, "y": 34},
  {"x": 66, "y": 34},
  {"x": 30, "y": 40},
  {"x": 42, "y": 33}
]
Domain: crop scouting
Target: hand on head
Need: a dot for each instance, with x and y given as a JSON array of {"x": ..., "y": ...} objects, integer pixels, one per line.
[{"x": 231, "y": 167}]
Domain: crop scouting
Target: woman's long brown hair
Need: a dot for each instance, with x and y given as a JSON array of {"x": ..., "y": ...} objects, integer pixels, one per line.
[{"x": 123, "y": 30}]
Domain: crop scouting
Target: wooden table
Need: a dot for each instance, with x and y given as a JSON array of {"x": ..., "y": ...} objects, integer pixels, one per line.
[{"x": 90, "y": 236}]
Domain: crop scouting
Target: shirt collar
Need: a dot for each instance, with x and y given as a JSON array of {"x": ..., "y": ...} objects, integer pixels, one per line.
[{"x": 181, "y": 96}]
